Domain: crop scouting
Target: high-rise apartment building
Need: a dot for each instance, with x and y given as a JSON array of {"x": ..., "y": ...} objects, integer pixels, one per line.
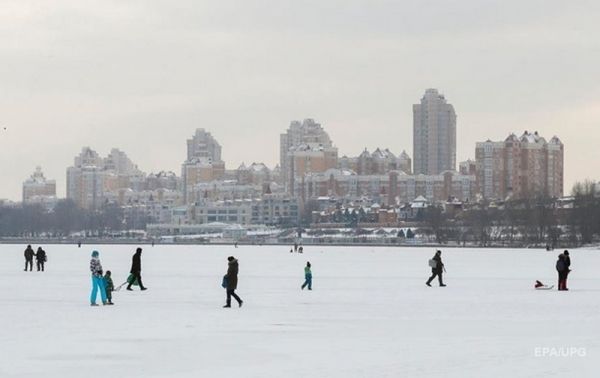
[
  {"x": 203, "y": 145},
  {"x": 85, "y": 180},
  {"x": 307, "y": 133},
  {"x": 38, "y": 186},
  {"x": 520, "y": 167},
  {"x": 203, "y": 163},
  {"x": 434, "y": 135}
]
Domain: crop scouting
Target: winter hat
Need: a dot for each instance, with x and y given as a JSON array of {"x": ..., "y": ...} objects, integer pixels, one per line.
[{"x": 95, "y": 254}]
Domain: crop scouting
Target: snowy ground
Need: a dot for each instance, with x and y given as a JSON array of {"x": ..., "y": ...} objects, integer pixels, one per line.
[{"x": 369, "y": 315}]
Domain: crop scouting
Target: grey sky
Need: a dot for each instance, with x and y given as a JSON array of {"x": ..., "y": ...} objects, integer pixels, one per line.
[{"x": 142, "y": 75}]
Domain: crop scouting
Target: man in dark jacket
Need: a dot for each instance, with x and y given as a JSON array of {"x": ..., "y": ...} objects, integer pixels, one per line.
[
  {"x": 232, "y": 280},
  {"x": 136, "y": 270},
  {"x": 563, "y": 271},
  {"x": 40, "y": 259},
  {"x": 29, "y": 258},
  {"x": 437, "y": 269}
]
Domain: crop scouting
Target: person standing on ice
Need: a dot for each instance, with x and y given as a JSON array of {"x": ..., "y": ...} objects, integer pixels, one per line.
[
  {"x": 307, "y": 277},
  {"x": 29, "y": 258},
  {"x": 97, "y": 279},
  {"x": 437, "y": 268},
  {"x": 40, "y": 259},
  {"x": 136, "y": 269},
  {"x": 563, "y": 271},
  {"x": 232, "y": 279}
]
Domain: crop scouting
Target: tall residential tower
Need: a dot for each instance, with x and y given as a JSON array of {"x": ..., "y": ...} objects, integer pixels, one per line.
[{"x": 434, "y": 135}]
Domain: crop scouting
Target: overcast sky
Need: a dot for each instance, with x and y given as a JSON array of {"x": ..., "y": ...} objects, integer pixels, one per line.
[{"x": 143, "y": 75}]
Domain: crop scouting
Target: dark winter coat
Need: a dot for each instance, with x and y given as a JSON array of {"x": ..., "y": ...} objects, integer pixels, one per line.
[
  {"x": 232, "y": 275},
  {"x": 439, "y": 266},
  {"x": 567, "y": 261},
  {"x": 29, "y": 253},
  {"x": 40, "y": 255},
  {"x": 561, "y": 265},
  {"x": 136, "y": 263},
  {"x": 110, "y": 286}
]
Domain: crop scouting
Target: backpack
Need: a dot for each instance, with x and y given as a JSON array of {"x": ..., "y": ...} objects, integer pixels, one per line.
[
  {"x": 432, "y": 263},
  {"x": 225, "y": 282}
]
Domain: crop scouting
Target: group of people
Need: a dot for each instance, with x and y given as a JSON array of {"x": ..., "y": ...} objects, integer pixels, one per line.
[
  {"x": 104, "y": 283},
  {"x": 40, "y": 258},
  {"x": 297, "y": 248},
  {"x": 563, "y": 267}
]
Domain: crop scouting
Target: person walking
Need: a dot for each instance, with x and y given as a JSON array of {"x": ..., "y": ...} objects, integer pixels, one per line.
[
  {"x": 97, "y": 279},
  {"x": 437, "y": 268},
  {"x": 232, "y": 280},
  {"x": 29, "y": 258},
  {"x": 307, "y": 276},
  {"x": 136, "y": 269},
  {"x": 40, "y": 259},
  {"x": 563, "y": 271}
]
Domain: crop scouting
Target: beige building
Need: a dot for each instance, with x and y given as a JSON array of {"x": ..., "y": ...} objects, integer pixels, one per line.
[
  {"x": 85, "y": 180},
  {"x": 37, "y": 187},
  {"x": 300, "y": 133},
  {"x": 434, "y": 135},
  {"x": 396, "y": 186},
  {"x": 309, "y": 158},
  {"x": 520, "y": 167},
  {"x": 203, "y": 163}
]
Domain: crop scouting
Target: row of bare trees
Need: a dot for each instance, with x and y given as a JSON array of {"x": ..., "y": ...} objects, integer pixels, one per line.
[
  {"x": 538, "y": 221},
  {"x": 66, "y": 218}
]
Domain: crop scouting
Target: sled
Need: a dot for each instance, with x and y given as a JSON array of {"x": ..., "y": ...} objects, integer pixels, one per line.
[{"x": 545, "y": 287}]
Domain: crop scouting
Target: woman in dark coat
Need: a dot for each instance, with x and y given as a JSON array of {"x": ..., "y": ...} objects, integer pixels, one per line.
[
  {"x": 563, "y": 271},
  {"x": 232, "y": 280},
  {"x": 136, "y": 270},
  {"x": 40, "y": 258},
  {"x": 437, "y": 270}
]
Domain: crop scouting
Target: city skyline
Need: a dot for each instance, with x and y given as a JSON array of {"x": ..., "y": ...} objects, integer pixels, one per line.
[
  {"x": 61, "y": 182},
  {"x": 142, "y": 77}
]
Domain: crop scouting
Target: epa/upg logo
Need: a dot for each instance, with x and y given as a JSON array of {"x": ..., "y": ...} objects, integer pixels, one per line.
[{"x": 560, "y": 352}]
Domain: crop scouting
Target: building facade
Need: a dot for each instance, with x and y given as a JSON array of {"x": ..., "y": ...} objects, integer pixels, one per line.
[
  {"x": 37, "y": 188},
  {"x": 434, "y": 135},
  {"x": 300, "y": 133},
  {"x": 520, "y": 167}
]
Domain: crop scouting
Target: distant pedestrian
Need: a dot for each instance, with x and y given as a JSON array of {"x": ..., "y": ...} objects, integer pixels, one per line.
[
  {"x": 301, "y": 249},
  {"x": 40, "y": 259},
  {"x": 563, "y": 271},
  {"x": 295, "y": 247},
  {"x": 307, "y": 276},
  {"x": 97, "y": 279},
  {"x": 136, "y": 270},
  {"x": 231, "y": 279},
  {"x": 437, "y": 268},
  {"x": 109, "y": 287},
  {"x": 29, "y": 258}
]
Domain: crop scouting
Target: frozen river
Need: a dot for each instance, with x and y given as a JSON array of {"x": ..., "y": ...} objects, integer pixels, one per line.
[{"x": 369, "y": 315}]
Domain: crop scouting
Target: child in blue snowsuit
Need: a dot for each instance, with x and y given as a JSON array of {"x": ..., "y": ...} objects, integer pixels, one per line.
[
  {"x": 307, "y": 277},
  {"x": 97, "y": 279}
]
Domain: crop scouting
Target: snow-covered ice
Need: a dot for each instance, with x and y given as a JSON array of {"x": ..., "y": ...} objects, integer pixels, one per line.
[{"x": 369, "y": 315}]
